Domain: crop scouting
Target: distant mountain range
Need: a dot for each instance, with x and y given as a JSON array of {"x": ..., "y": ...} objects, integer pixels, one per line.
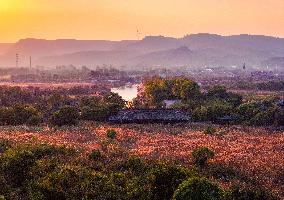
[{"x": 192, "y": 50}]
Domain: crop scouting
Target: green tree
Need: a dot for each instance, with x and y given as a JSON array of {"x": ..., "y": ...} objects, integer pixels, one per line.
[
  {"x": 185, "y": 89},
  {"x": 96, "y": 113},
  {"x": 67, "y": 115},
  {"x": 200, "y": 114},
  {"x": 248, "y": 110},
  {"x": 157, "y": 90},
  {"x": 16, "y": 165},
  {"x": 198, "y": 189},
  {"x": 220, "y": 93},
  {"x": 165, "y": 178},
  {"x": 113, "y": 102}
]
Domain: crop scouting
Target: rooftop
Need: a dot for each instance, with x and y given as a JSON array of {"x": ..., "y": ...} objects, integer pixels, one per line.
[{"x": 150, "y": 116}]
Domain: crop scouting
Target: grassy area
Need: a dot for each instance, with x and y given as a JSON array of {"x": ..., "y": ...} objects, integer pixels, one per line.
[{"x": 256, "y": 151}]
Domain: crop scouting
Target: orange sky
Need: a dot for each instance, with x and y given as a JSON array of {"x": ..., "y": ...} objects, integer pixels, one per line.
[{"x": 119, "y": 19}]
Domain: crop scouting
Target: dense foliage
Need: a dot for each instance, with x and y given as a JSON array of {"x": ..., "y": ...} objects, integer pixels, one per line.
[
  {"x": 216, "y": 104},
  {"x": 32, "y": 106},
  {"x": 201, "y": 156},
  {"x": 268, "y": 86},
  {"x": 157, "y": 90},
  {"x": 49, "y": 172},
  {"x": 198, "y": 189}
]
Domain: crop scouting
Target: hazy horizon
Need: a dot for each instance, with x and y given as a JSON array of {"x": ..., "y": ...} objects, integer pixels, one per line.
[
  {"x": 119, "y": 20},
  {"x": 126, "y": 39}
]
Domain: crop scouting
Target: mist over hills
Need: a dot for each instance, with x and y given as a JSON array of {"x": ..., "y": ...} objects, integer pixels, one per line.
[
  {"x": 192, "y": 50},
  {"x": 4, "y": 47}
]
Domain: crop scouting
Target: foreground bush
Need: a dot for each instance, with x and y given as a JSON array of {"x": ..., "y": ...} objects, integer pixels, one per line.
[
  {"x": 67, "y": 115},
  {"x": 17, "y": 162},
  {"x": 201, "y": 156},
  {"x": 95, "y": 154},
  {"x": 111, "y": 133},
  {"x": 165, "y": 178},
  {"x": 76, "y": 182},
  {"x": 198, "y": 189},
  {"x": 248, "y": 193},
  {"x": 96, "y": 113},
  {"x": 48, "y": 173},
  {"x": 209, "y": 130},
  {"x": 16, "y": 166},
  {"x": 19, "y": 115}
]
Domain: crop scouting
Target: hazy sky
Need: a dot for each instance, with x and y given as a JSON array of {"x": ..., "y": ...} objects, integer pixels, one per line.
[{"x": 119, "y": 19}]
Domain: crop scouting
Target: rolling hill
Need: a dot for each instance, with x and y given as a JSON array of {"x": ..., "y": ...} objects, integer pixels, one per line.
[{"x": 192, "y": 50}]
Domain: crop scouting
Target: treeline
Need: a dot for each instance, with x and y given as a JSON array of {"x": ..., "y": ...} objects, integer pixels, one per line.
[
  {"x": 216, "y": 104},
  {"x": 31, "y": 95},
  {"x": 47, "y": 173},
  {"x": 32, "y": 106},
  {"x": 267, "y": 86}
]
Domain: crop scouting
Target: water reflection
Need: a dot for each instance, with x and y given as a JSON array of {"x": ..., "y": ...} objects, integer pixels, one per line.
[{"x": 127, "y": 92}]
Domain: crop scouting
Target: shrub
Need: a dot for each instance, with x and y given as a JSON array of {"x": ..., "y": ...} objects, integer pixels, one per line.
[
  {"x": 67, "y": 115},
  {"x": 198, "y": 189},
  {"x": 111, "y": 133},
  {"x": 25, "y": 115},
  {"x": 200, "y": 114},
  {"x": 201, "y": 156},
  {"x": 56, "y": 185},
  {"x": 226, "y": 173},
  {"x": 248, "y": 192},
  {"x": 6, "y": 116},
  {"x": 76, "y": 182},
  {"x": 165, "y": 178},
  {"x": 212, "y": 110},
  {"x": 95, "y": 154},
  {"x": 113, "y": 103},
  {"x": 17, "y": 162},
  {"x": 209, "y": 130},
  {"x": 16, "y": 165},
  {"x": 97, "y": 113},
  {"x": 133, "y": 164},
  {"x": 4, "y": 145},
  {"x": 20, "y": 114},
  {"x": 279, "y": 117},
  {"x": 218, "y": 108},
  {"x": 34, "y": 120},
  {"x": 248, "y": 110},
  {"x": 220, "y": 92}
]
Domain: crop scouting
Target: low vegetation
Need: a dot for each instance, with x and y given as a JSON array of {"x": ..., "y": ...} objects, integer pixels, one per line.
[
  {"x": 49, "y": 172},
  {"x": 60, "y": 146}
]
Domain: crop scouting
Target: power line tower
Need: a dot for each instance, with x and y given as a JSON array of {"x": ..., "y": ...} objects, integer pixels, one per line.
[
  {"x": 138, "y": 34},
  {"x": 30, "y": 62},
  {"x": 17, "y": 60}
]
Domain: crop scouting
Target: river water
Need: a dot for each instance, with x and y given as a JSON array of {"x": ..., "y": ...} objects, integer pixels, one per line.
[{"x": 127, "y": 93}]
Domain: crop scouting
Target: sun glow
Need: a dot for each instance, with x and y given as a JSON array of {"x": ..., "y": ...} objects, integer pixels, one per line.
[
  {"x": 6, "y": 5},
  {"x": 119, "y": 19}
]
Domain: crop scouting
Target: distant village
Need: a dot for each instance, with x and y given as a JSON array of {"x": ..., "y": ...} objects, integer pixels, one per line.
[{"x": 113, "y": 77}]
